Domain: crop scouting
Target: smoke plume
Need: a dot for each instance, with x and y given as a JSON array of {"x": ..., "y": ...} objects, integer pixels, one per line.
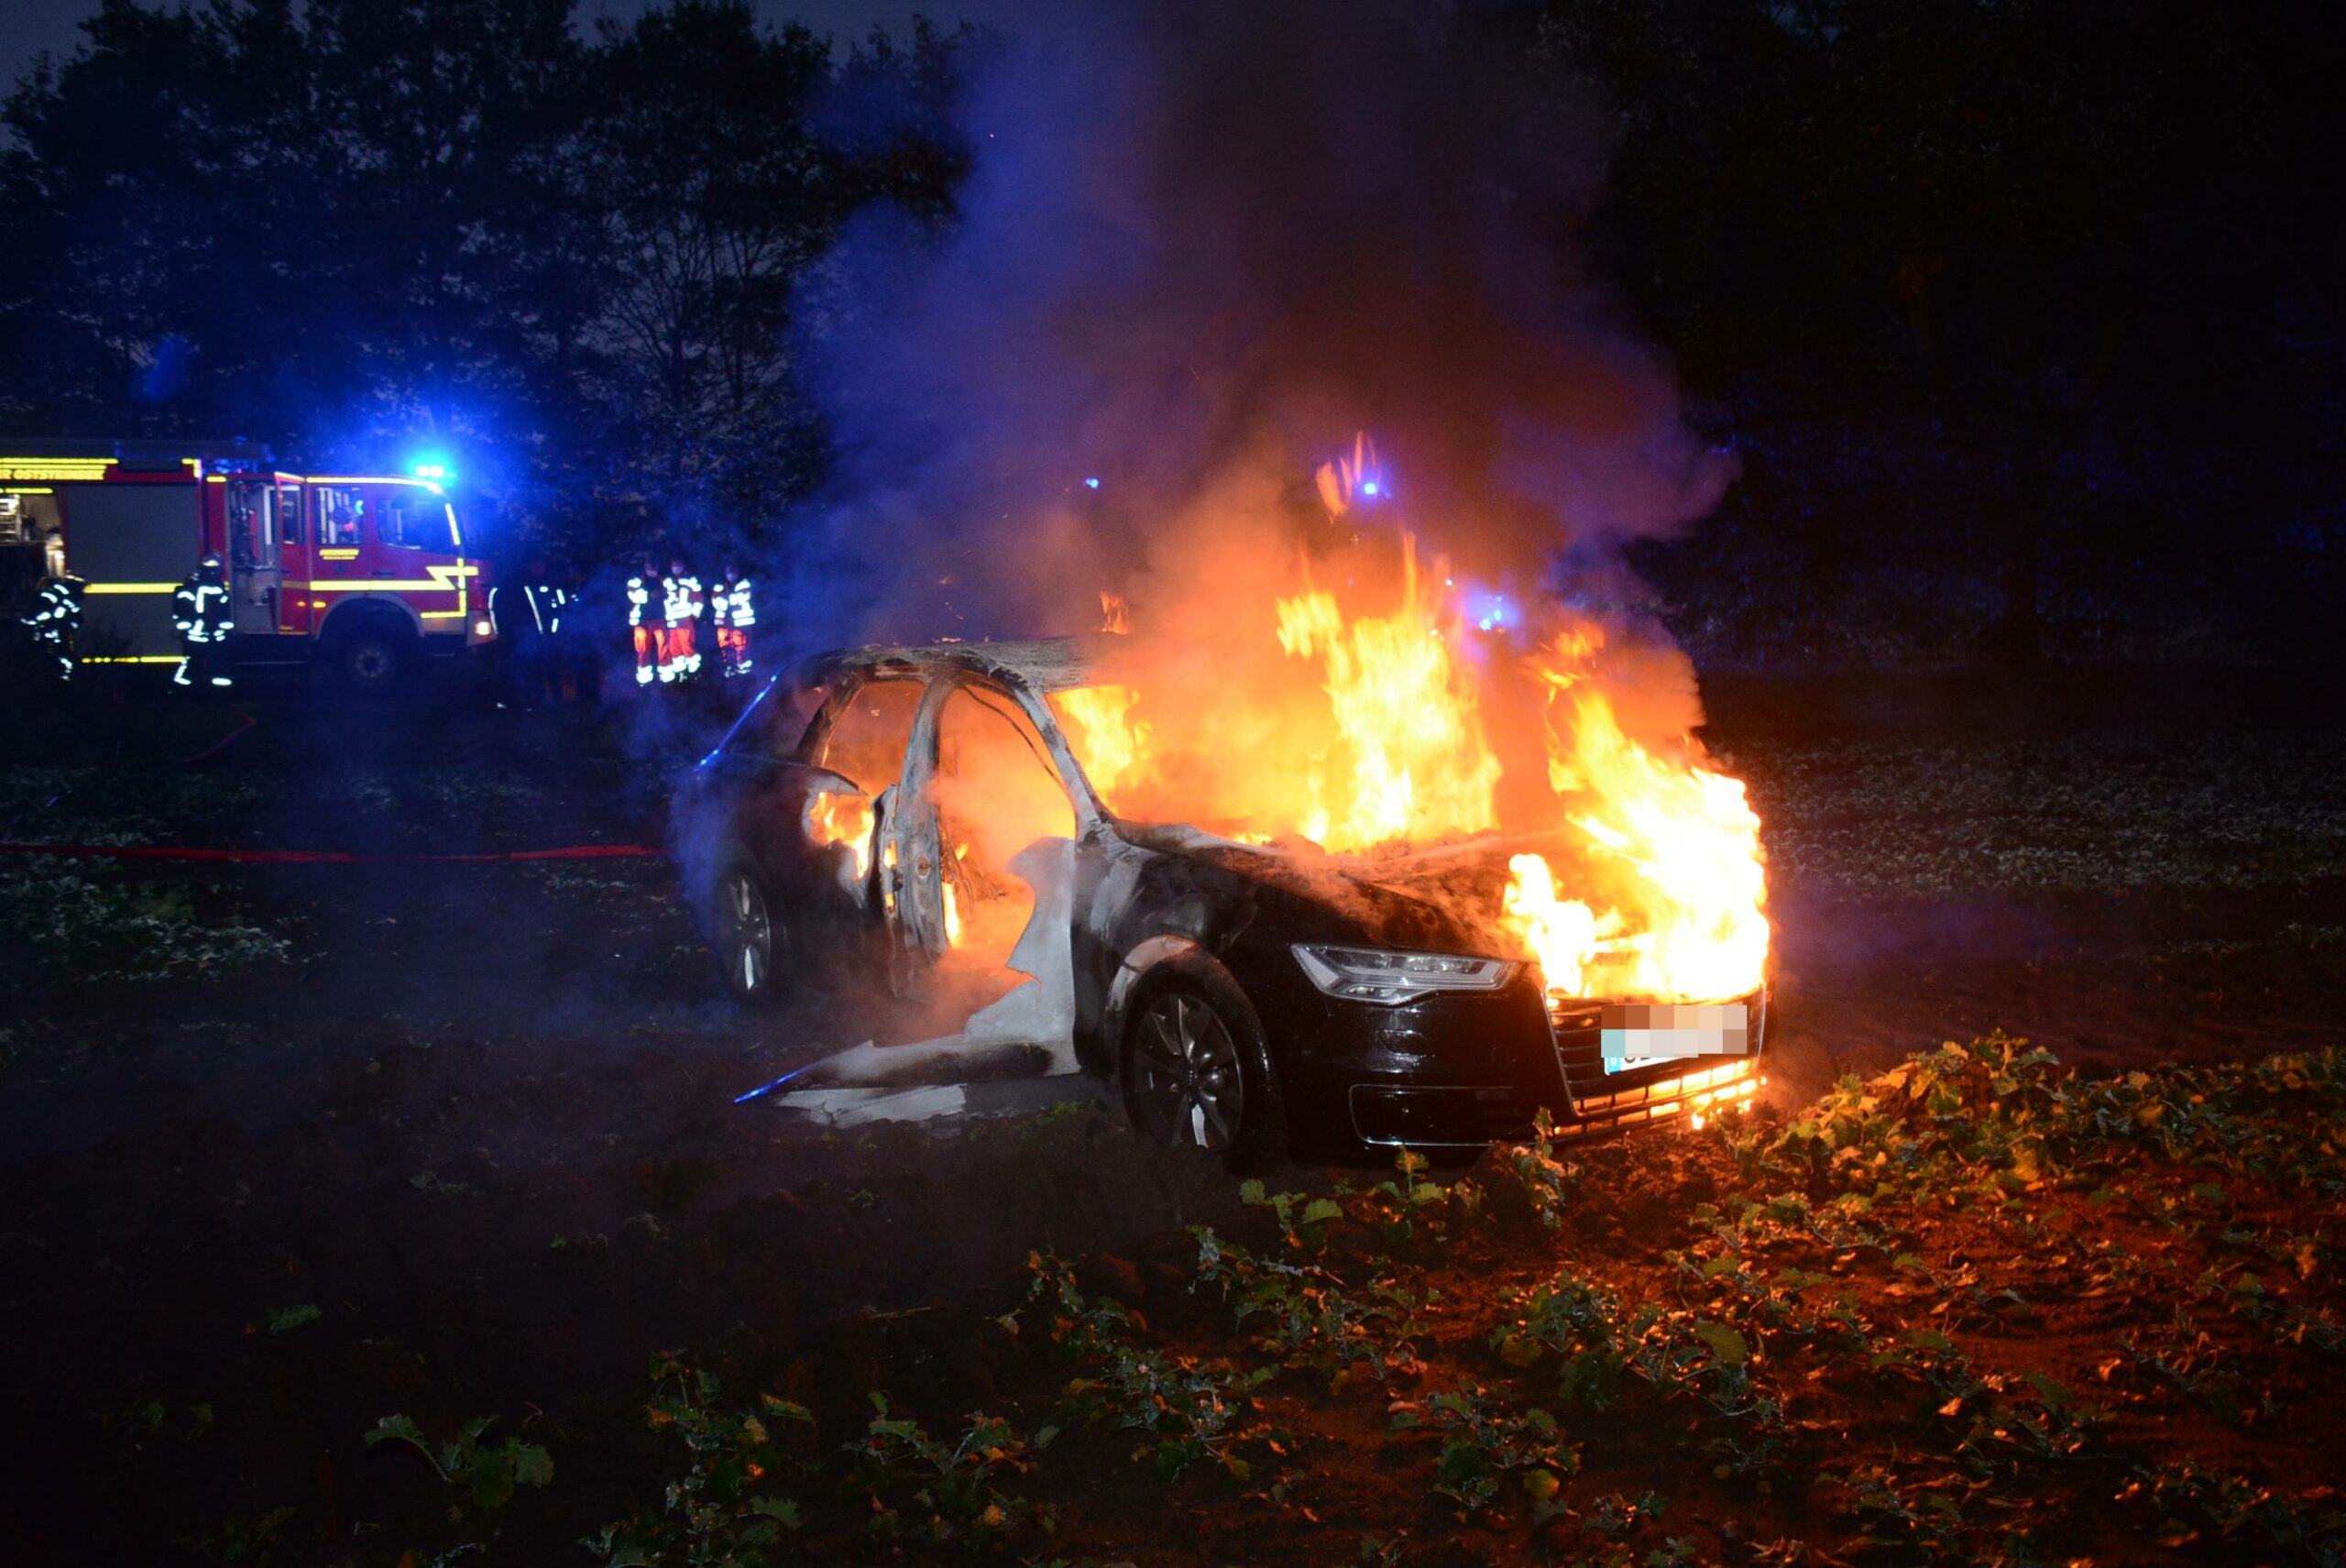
[{"x": 1199, "y": 248}]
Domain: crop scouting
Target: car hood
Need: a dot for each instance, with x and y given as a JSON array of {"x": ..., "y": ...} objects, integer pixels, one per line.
[{"x": 1445, "y": 900}]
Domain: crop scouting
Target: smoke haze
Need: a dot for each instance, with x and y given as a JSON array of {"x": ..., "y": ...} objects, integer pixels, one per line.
[{"x": 1199, "y": 246}]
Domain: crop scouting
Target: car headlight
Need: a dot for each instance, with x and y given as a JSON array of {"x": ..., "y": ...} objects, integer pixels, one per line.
[{"x": 1390, "y": 979}]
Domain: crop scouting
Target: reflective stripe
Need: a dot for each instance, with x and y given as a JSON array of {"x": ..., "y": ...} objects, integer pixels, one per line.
[{"x": 448, "y": 577}]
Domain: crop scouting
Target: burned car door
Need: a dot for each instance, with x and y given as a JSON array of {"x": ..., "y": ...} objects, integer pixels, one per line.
[
  {"x": 857, "y": 749},
  {"x": 984, "y": 824}
]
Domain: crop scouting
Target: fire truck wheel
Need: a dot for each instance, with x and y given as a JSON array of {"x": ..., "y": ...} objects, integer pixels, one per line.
[
  {"x": 1195, "y": 1071},
  {"x": 752, "y": 943},
  {"x": 371, "y": 658}
]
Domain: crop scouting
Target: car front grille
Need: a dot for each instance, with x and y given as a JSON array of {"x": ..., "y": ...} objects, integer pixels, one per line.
[{"x": 1649, "y": 1091}]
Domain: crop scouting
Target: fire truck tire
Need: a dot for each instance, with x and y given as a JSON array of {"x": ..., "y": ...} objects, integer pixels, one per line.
[
  {"x": 754, "y": 943},
  {"x": 371, "y": 658},
  {"x": 1196, "y": 1068}
]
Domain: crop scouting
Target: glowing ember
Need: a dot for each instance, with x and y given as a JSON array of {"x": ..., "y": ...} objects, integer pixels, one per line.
[
  {"x": 835, "y": 817},
  {"x": 1410, "y": 760}
]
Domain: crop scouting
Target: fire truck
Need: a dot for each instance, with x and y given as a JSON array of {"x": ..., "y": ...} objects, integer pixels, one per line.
[{"x": 367, "y": 575}]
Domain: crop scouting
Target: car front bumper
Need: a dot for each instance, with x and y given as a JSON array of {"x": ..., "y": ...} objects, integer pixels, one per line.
[{"x": 1462, "y": 1072}]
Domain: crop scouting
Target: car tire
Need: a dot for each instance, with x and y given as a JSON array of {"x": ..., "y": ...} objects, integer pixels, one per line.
[
  {"x": 1196, "y": 1071},
  {"x": 755, "y": 946},
  {"x": 371, "y": 661}
]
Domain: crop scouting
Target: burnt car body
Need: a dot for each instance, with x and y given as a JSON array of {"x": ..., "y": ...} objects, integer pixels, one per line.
[{"x": 1243, "y": 998}]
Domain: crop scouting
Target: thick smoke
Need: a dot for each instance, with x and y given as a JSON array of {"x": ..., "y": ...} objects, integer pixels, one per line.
[{"x": 1201, "y": 244}]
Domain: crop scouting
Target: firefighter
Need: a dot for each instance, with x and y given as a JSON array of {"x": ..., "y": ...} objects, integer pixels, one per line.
[
  {"x": 647, "y": 618},
  {"x": 537, "y": 654},
  {"x": 201, "y": 612},
  {"x": 578, "y": 645},
  {"x": 734, "y": 613},
  {"x": 56, "y": 620},
  {"x": 681, "y": 592}
]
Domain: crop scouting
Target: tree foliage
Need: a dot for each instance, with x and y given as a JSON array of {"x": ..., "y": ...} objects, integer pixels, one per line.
[{"x": 368, "y": 225}]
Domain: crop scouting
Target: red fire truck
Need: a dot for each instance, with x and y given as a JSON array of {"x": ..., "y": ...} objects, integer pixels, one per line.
[{"x": 366, "y": 574}]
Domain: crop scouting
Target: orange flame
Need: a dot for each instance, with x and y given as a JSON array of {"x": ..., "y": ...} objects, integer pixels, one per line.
[
  {"x": 1560, "y": 933},
  {"x": 1112, "y": 744},
  {"x": 1688, "y": 920},
  {"x": 834, "y": 817},
  {"x": 1658, "y": 888},
  {"x": 1409, "y": 762}
]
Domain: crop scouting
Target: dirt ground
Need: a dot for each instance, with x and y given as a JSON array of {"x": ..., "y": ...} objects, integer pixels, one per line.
[{"x": 291, "y": 1148}]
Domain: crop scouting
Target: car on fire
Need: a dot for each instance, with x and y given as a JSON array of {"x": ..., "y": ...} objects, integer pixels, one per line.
[{"x": 886, "y": 812}]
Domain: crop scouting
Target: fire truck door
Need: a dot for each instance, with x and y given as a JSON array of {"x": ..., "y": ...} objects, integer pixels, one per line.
[
  {"x": 257, "y": 581},
  {"x": 294, "y": 614}
]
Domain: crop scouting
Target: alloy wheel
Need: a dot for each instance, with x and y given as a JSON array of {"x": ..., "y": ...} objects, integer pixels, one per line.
[
  {"x": 1186, "y": 1073},
  {"x": 749, "y": 948}
]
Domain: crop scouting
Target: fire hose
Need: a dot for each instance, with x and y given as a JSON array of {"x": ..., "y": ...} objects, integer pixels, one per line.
[{"x": 329, "y": 856}]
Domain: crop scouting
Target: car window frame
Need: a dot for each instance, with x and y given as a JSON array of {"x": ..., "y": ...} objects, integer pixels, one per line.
[{"x": 850, "y": 686}]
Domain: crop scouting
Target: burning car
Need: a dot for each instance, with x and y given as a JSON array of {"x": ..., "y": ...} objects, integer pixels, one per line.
[{"x": 962, "y": 827}]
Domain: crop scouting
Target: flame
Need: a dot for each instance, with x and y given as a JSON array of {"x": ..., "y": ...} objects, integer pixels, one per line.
[
  {"x": 1356, "y": 707},
  {"x": 1111, "y": 744},
  {"x": 1409, "y": 762},
  {"x": 1560, "y": 933},
  {"x": 834, "y": 817},
  {"x": 952, "y": 915},
  {"x": 1689, "y": 920},
  {"x": 1114, "y": 615}
]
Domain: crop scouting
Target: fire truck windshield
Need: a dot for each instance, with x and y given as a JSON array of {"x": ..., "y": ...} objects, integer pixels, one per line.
[{"x": 417, "y": 519}]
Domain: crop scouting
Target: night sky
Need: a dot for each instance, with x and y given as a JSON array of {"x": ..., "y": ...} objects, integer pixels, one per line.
[{"x": 33, "y": 26}]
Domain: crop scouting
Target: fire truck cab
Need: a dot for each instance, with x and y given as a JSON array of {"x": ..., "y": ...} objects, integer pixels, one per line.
[{"x": 365, "y": 574}]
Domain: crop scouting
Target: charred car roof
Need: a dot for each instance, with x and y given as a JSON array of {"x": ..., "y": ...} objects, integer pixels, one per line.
[{"x": 1046, "y": 665}]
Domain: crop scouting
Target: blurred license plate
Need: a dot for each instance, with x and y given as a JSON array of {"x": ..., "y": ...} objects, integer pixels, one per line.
[{"x": 1634, "y": 1033}]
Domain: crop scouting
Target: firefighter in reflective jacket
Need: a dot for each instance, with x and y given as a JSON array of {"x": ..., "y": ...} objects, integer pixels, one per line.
[
  {"x": 201, "y": 612},
  {"x": 681, "y": 592},
  {"x": 536, "y": 658},
  {"x": 735, "y": 613},
  {"x": 647, "y": 619},
  {"x": 56, "y": 620}
]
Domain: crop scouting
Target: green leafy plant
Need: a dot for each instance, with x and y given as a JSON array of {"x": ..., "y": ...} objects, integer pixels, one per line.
[
  {"x": 1484, "y": 1441},
  {"x": 285, "y": 1320},
  {"x": 1305, "y": 1314},
  {"x": 1579, "y": 1323},
  {"x": 1303, "y": 1220},
  {"x": 1549, "y": 1185},
  {"x": 1188, "y": 1407},
  {"x": 490, "y": 1473},
  {"x": 951, "y": 1488},
  {"x": 723, "y": 1511}
]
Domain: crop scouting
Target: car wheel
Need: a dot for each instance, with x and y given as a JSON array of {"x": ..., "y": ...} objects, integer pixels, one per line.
[
  {"x": 370, "y": 662},
  {"x": 752, "y": 945},
  {"x": 1196, "y": 1073}
]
